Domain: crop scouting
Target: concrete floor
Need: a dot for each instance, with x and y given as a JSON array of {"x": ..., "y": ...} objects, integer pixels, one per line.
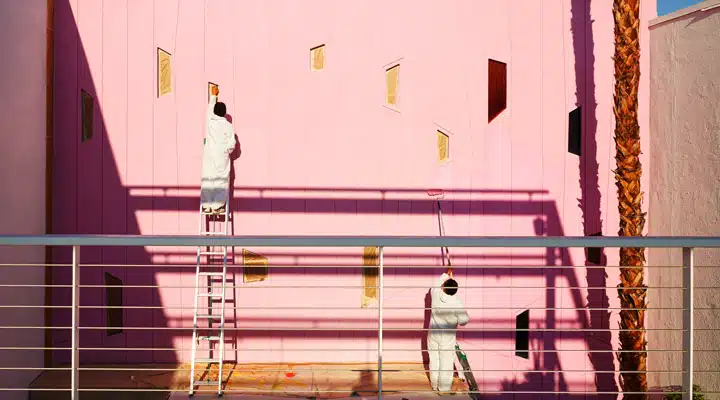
[{"x": 248, "y": 381}]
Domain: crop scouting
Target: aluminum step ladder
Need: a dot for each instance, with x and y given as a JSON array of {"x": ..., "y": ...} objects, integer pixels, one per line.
[{"x": 213, "y": 275}]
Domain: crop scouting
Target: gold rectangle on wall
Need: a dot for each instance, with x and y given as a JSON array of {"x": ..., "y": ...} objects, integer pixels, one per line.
[
  {"x": 392, "y": 76},
  {"x": 164, "y": 77},
  {"x": 370, "y": 275},
  {"x": 317, "y": 58},
  {"x": 443, "y": 145},
  {"x": 255, "y": 267}
]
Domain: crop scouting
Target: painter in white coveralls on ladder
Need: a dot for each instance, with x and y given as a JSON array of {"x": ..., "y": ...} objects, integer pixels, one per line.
[{"x": 219, "y": 144}]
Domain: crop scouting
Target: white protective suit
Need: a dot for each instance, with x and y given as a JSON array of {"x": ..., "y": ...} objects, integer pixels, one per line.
[
  {"x": 219, "y": 143},
  {"x": 447, "y": 313}
]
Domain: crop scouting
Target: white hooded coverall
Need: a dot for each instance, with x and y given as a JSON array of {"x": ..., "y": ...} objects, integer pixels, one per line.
[
  {"x": 447, "y": 313},
  {"x": 219, "y": 143}
]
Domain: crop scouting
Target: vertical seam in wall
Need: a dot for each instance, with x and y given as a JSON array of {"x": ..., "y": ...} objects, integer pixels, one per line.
[
  {"x": 49, "y": 148},
  {"x": 105, "y": 143},
  {"x": 127, "y": 141},
  {"x": 155, "y": 78},
  {"x": 565, "y": 138},
  {"x": 542, "y": 121}
]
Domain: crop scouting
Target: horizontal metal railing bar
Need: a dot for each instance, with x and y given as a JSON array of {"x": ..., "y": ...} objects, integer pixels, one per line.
[
  {"x": 35, "y": 368},
  {"x": 182, "y": 349},
  {"x": 355, "y": 287},
  {"x": 362, "y": 241},
  {"x": 312, "y": 391},
  {"x": 356, "y": 266},
  {"x": 359, "y": 329},
  {"x": 356, "y": 308},
  {"x": 391, "y": 370}
]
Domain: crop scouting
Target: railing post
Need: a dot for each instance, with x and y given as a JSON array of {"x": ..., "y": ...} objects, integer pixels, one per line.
[
  {"x": 688, "y": 322},
  {"x": 380, "y": 324},
  {"x": 75, "y": 323}
]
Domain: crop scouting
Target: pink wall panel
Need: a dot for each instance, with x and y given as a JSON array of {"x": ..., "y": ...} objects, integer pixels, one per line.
[
  {"x": 115, "y": 103},
  {"x": 322, "y": 154}
]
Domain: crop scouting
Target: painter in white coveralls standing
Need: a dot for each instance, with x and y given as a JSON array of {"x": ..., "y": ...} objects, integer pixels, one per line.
[
  {"x": 219, "y": 144},
  {"x": 447, "y": 313}
]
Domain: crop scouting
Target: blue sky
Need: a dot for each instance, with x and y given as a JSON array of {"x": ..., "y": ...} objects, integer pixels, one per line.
[{"x": 668, "y": 6}]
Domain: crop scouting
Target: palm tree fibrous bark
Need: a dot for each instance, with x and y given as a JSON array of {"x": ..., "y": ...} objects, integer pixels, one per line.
[{"x": 631, "y": 290}]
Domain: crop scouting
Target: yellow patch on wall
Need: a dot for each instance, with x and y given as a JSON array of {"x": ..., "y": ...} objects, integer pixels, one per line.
[
  {"x": 443, "y": 146},
  {"x": 370, "y": 275},
  {"x": 317, "y": 58},
  {"x": 164, "y": 72},
  {"x": 255, "y": 267},
  {"x": 392, "y": 78}
]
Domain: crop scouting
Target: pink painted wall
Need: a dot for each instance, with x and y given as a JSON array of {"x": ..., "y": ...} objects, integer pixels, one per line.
[
  {"x": 321, "y": 154},
  {"x": 22, "y": 197}
]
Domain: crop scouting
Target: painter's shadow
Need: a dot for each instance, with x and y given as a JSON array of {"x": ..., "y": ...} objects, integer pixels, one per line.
[{"x": 366, "y": 384}]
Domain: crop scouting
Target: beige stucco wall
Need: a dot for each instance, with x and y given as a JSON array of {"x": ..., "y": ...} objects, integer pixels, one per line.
[
  {"x": 685, "y": 181},
  {"x": 22, "y": 175}
]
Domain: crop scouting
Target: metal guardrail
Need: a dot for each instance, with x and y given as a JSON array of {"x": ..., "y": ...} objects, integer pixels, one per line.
[{"x": 687, "y": 244}]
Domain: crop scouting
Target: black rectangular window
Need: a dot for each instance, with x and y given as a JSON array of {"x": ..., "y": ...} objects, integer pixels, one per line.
[
  {"x": 86, "y": 116},
  {"x": 497, "y": 88},
  {"x": 522, "y": 334},
  {"x": 575, "y": 132},
  {"x": 113, "y": 302},
  {"x": 594, "y": 254}
]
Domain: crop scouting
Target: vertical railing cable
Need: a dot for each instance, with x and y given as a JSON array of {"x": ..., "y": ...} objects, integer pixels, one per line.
[
  {"x": 75, "y": 335},
  {"x": 380, "y": 323},
  {"x": 688, "y": 321}
]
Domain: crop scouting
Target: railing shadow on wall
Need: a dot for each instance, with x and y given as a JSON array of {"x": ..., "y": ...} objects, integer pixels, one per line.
[{"x": 91, "y": 198}]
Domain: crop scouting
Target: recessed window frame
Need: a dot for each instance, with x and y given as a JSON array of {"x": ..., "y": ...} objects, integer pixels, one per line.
[
  {"x": 439, "y": 130},
  {"x": 114, "y": 303},
  {"x": 319, "y": 49},
  {"x": 575, "y": 131},
  {"x": 87, "y": 111},
  {"x": 522, "y": 334},
  {"x": 397, "y": 66},
  {"x": 163, "y": 90},
  {"x": 497, "y": 88},
  {"x": 370, "y": 275},
  {"x": 255, "y": 267}
]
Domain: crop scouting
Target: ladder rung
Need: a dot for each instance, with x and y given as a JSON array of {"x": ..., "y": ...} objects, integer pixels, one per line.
[
  {"x": 208, "y": 337},
  {"x": 211, "y": 274},
  {"x": 206, "y": 383},
  {"x": 212, "y": 253},
  {"x": 207, "y": 360},
  {"x": 213, "y": 233},
  {"x": 210, "y": 294},
  {"x": 209, "y": 316}
]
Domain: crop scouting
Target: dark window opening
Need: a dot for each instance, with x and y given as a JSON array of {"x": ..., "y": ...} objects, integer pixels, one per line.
[
  {"x": 497, "y": 88},
  {"x": 522, "y": 335},
  {"x": 86, "y": 116},
  {"x": 594, "y": 254},
  {"x": 113, "y": 302},
  {"x": 575, "y": 132}
]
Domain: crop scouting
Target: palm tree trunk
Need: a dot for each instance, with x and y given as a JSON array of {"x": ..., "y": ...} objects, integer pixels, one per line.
[{"x": 627, "y": 175}]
